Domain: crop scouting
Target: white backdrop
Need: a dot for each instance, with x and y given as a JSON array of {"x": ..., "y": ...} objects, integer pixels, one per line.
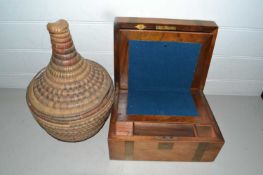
[{"x": 237, "y": 64}]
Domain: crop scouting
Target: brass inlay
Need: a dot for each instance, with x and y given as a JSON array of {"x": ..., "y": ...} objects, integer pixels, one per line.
[
  {"x": 140, "y": 26},
  {"x": 129, "y": 146},
  {"x": 165, "y": 146},
  {"x": 200, "y": 150},
  {"x": 165, "y": 27},
  {"x": 165, "y": 138}
]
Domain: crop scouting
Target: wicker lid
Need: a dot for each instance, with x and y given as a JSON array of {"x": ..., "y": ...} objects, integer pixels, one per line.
[{"x": 70, "y": 85}]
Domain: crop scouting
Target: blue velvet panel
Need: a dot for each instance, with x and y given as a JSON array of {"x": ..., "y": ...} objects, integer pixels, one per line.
[{"x": 160, "y": 78}]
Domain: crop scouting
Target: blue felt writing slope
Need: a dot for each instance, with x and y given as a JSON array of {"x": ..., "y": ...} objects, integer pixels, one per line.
[{"x": 160, "y": 78}]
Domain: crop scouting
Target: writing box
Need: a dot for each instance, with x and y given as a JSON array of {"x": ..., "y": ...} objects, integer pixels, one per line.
[{"x": 160, "y": 110}]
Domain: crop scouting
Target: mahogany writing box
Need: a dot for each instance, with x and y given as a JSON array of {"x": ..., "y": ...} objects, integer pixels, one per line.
[{"x": 160, "y": 110}]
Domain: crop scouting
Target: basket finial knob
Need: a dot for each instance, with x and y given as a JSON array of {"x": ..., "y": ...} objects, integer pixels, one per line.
[
  {"x": 59, "y": 26},
  {"x": 63, "y": 49}
]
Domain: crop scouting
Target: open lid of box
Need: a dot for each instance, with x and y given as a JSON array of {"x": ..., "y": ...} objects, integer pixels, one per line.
[{"x": 160, "y": 62}]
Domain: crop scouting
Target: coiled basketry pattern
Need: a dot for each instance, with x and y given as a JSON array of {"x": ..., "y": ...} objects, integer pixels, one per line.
[{"x": 72, "y": 96}]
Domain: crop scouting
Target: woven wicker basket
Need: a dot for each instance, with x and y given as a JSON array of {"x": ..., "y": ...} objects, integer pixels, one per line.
[{"x": 71, "y": 97}]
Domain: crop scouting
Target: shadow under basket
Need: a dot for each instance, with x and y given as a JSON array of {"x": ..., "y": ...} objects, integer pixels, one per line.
[{"x": 160, "y": 111}]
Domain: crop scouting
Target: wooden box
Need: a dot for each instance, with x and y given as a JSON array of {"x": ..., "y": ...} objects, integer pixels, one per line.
[{"x": 160, "y": 110}]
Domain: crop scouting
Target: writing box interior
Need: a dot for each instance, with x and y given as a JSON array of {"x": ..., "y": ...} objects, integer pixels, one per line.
[
  {"x": 160, "y": 77},
  {"x": 160, "y": 111},
  {"x": 161, "y": 69}
]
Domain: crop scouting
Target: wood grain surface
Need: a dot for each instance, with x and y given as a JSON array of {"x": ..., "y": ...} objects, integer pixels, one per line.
[{"x": 153, "y": 137}]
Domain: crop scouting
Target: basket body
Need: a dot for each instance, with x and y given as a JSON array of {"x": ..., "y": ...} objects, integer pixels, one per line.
[{"x": 72, "y": 96}]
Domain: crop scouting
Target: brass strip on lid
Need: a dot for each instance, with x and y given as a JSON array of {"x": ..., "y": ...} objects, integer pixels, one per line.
[{"x": 165, "y": 27}]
